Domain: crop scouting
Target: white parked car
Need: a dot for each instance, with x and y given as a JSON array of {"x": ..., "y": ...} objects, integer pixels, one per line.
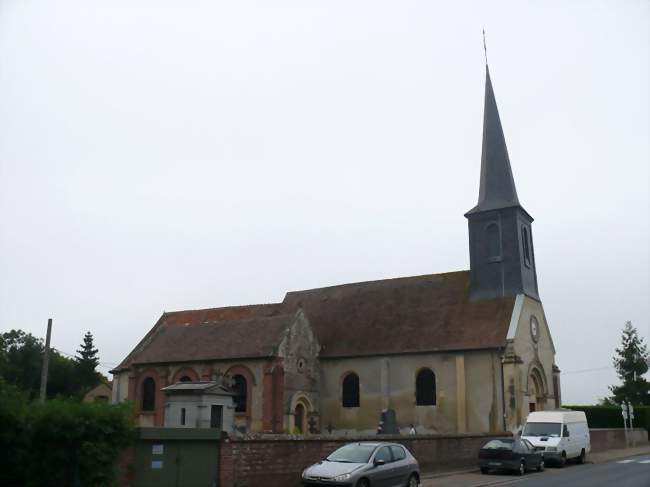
[{"x": 561, "y": 435}]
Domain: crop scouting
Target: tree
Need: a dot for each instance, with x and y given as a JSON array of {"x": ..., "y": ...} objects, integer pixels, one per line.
[
  {"x": 87, "y": 361},
  {"x": 631, "y": 362},
  {"x": 21, "y": 359}
]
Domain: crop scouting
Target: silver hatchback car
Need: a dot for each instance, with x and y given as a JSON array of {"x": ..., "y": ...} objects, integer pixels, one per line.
[{"x": 365, "y": 464}]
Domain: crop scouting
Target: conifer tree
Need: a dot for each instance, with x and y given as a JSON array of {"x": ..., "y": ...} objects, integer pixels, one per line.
[
  {"x": 87, "y": 360},
  {"x": 631, "y": 362}
]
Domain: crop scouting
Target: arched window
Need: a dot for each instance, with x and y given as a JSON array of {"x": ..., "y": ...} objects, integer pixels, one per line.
[
  {"x": 240, "y": 388},
  {"x": 350, "y": 393},
  {"x": 493, "y": 241},
  {"x": 526, "y": 244},
  {"x": 425, "y": 388},
  {"x": 148, "y": 394},
  {"x": 299, "y": 420},
  {"x": 185, "y": 378}
]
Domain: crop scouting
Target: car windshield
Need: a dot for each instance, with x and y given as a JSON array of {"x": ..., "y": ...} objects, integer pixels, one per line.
[
  {"x": 543, "y": 429},
  {"x": 499, "y": 445},
  {"x": 352, "y": 453}
]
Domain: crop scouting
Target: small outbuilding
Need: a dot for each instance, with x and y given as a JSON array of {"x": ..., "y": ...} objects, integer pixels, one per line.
[
  {"x": 102, "y": 392},
  {"x": 201, "y": 404}
]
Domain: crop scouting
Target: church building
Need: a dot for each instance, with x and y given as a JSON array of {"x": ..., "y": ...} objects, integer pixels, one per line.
[{"x": 467, "y": 351}]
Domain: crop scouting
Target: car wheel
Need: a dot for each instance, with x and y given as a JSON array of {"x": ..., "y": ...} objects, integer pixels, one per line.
[
  {"x": 540, "y": 467},
  {"x": 485, "y": 470},
  {"x": 583, "y": 457},
  {"x": 563, "y": 459},
  {"x": 413, "y": 481},
  {"x": 363, "y": 483},
  {"x": 522, "y": 468}
]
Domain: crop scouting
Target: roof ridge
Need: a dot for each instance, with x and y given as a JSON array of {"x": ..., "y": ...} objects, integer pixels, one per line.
[
  {"x": 236, "y": 306},
  {"x": 392, "y": 279},
  {"x": 250, "y": 318}
]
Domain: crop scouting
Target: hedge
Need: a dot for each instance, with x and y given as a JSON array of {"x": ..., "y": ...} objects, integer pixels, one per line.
[
  {"x": 61, "y": 442},
  {"x": 611, "y": 416}
]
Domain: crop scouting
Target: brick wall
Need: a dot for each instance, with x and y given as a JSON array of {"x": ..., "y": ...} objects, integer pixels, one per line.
[
  {"x": 126, "y": 467},
  {"x": 279, "y": 461}
]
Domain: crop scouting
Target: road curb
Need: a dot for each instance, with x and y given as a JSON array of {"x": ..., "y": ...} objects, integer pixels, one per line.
[
  {"x": 450, "y": 473},
  {"x": 608, "y": 456}
]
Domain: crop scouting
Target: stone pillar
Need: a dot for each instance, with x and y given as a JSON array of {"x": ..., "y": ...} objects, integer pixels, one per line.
[
  {"x": 385, "y": 384},
  {"x": 557, "y": 387},
  {"x": 267, "y": 399},
  {"x": 133, "y": 383},
  {"x": 163, "y": 379},
  {"x": 278, "y": 398},
  {"x": 206, "y": 373},
  {"x": 461, "y": 395}
]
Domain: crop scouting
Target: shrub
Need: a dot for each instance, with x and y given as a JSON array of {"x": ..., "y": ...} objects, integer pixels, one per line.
[{"x": 61, "y": 442}]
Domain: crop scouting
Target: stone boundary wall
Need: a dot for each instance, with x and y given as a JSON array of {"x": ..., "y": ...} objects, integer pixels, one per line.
[
  {"x": 607, "y": 439},
  {"x": 278, "y": 461}
]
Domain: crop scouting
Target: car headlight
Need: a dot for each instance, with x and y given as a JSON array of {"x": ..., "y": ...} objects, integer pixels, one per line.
[
  {"x": 551, "y": 448},
  {"x": 341, "y": 478}
]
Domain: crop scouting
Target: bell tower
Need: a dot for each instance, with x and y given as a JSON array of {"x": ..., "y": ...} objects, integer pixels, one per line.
[{"x": 502, "y": 257}]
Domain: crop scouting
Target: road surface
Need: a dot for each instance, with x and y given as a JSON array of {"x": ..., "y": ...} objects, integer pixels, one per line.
[{"x": 630, "y": 472}]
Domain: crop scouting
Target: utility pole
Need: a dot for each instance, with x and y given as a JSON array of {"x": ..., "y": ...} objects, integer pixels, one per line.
[{"x": 46, "y": 360}]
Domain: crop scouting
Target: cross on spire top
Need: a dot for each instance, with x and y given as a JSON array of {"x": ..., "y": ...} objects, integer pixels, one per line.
[{"x": 485, "y": 47}]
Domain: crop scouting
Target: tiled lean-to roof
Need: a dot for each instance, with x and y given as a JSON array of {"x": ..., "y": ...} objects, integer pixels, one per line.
[{"x": 392, "y": 316}]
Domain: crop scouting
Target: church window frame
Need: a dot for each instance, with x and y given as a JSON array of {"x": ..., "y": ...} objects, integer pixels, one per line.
[
  {"x": 493, "y": 242},
  {"x": 525, "y": 242},
  {"x": 240, "y": 388},
  {"x": 148, "y": 403},
  {"x": 425, "y": 387},
  {"x": 350, "y": 396},
  {"x": 246, "y": 373}
]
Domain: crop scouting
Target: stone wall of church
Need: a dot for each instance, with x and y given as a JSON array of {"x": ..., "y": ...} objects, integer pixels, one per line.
[
  {"x": 468, "y": 393},
  {"x": 532, "y": 382},
  {"x": 484, "y": 391}
]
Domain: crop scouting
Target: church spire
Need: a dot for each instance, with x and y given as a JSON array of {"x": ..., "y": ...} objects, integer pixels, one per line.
[
  {"x": 502, "y": 260},
  {"x": 497, "y": 188}
]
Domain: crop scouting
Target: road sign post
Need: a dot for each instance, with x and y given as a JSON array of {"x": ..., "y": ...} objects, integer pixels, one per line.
[
  {"x": 631, "y": 416},
  {"x": 624, "y": 413}
]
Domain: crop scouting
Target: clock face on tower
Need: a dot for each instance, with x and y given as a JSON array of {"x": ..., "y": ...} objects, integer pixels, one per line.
[{"x": 534, "y": 329}]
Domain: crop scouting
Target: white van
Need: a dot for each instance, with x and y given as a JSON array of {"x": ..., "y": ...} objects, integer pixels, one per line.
[{"x": 560, "y": 434}]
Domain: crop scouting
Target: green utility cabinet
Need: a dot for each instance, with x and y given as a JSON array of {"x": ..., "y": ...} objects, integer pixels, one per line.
[{"x": 177, "y": 457}]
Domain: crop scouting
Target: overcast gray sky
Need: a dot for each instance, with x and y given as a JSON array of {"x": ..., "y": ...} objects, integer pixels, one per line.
[{"x": 163, "y": 155}]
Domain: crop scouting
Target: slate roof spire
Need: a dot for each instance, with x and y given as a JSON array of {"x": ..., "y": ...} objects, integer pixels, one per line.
[{"x": 497, "y": 188}]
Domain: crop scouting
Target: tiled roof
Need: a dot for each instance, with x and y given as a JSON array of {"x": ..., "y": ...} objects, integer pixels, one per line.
[
  {"x": 405, "y": 315},
  {"x": 199, "y": 339}
]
